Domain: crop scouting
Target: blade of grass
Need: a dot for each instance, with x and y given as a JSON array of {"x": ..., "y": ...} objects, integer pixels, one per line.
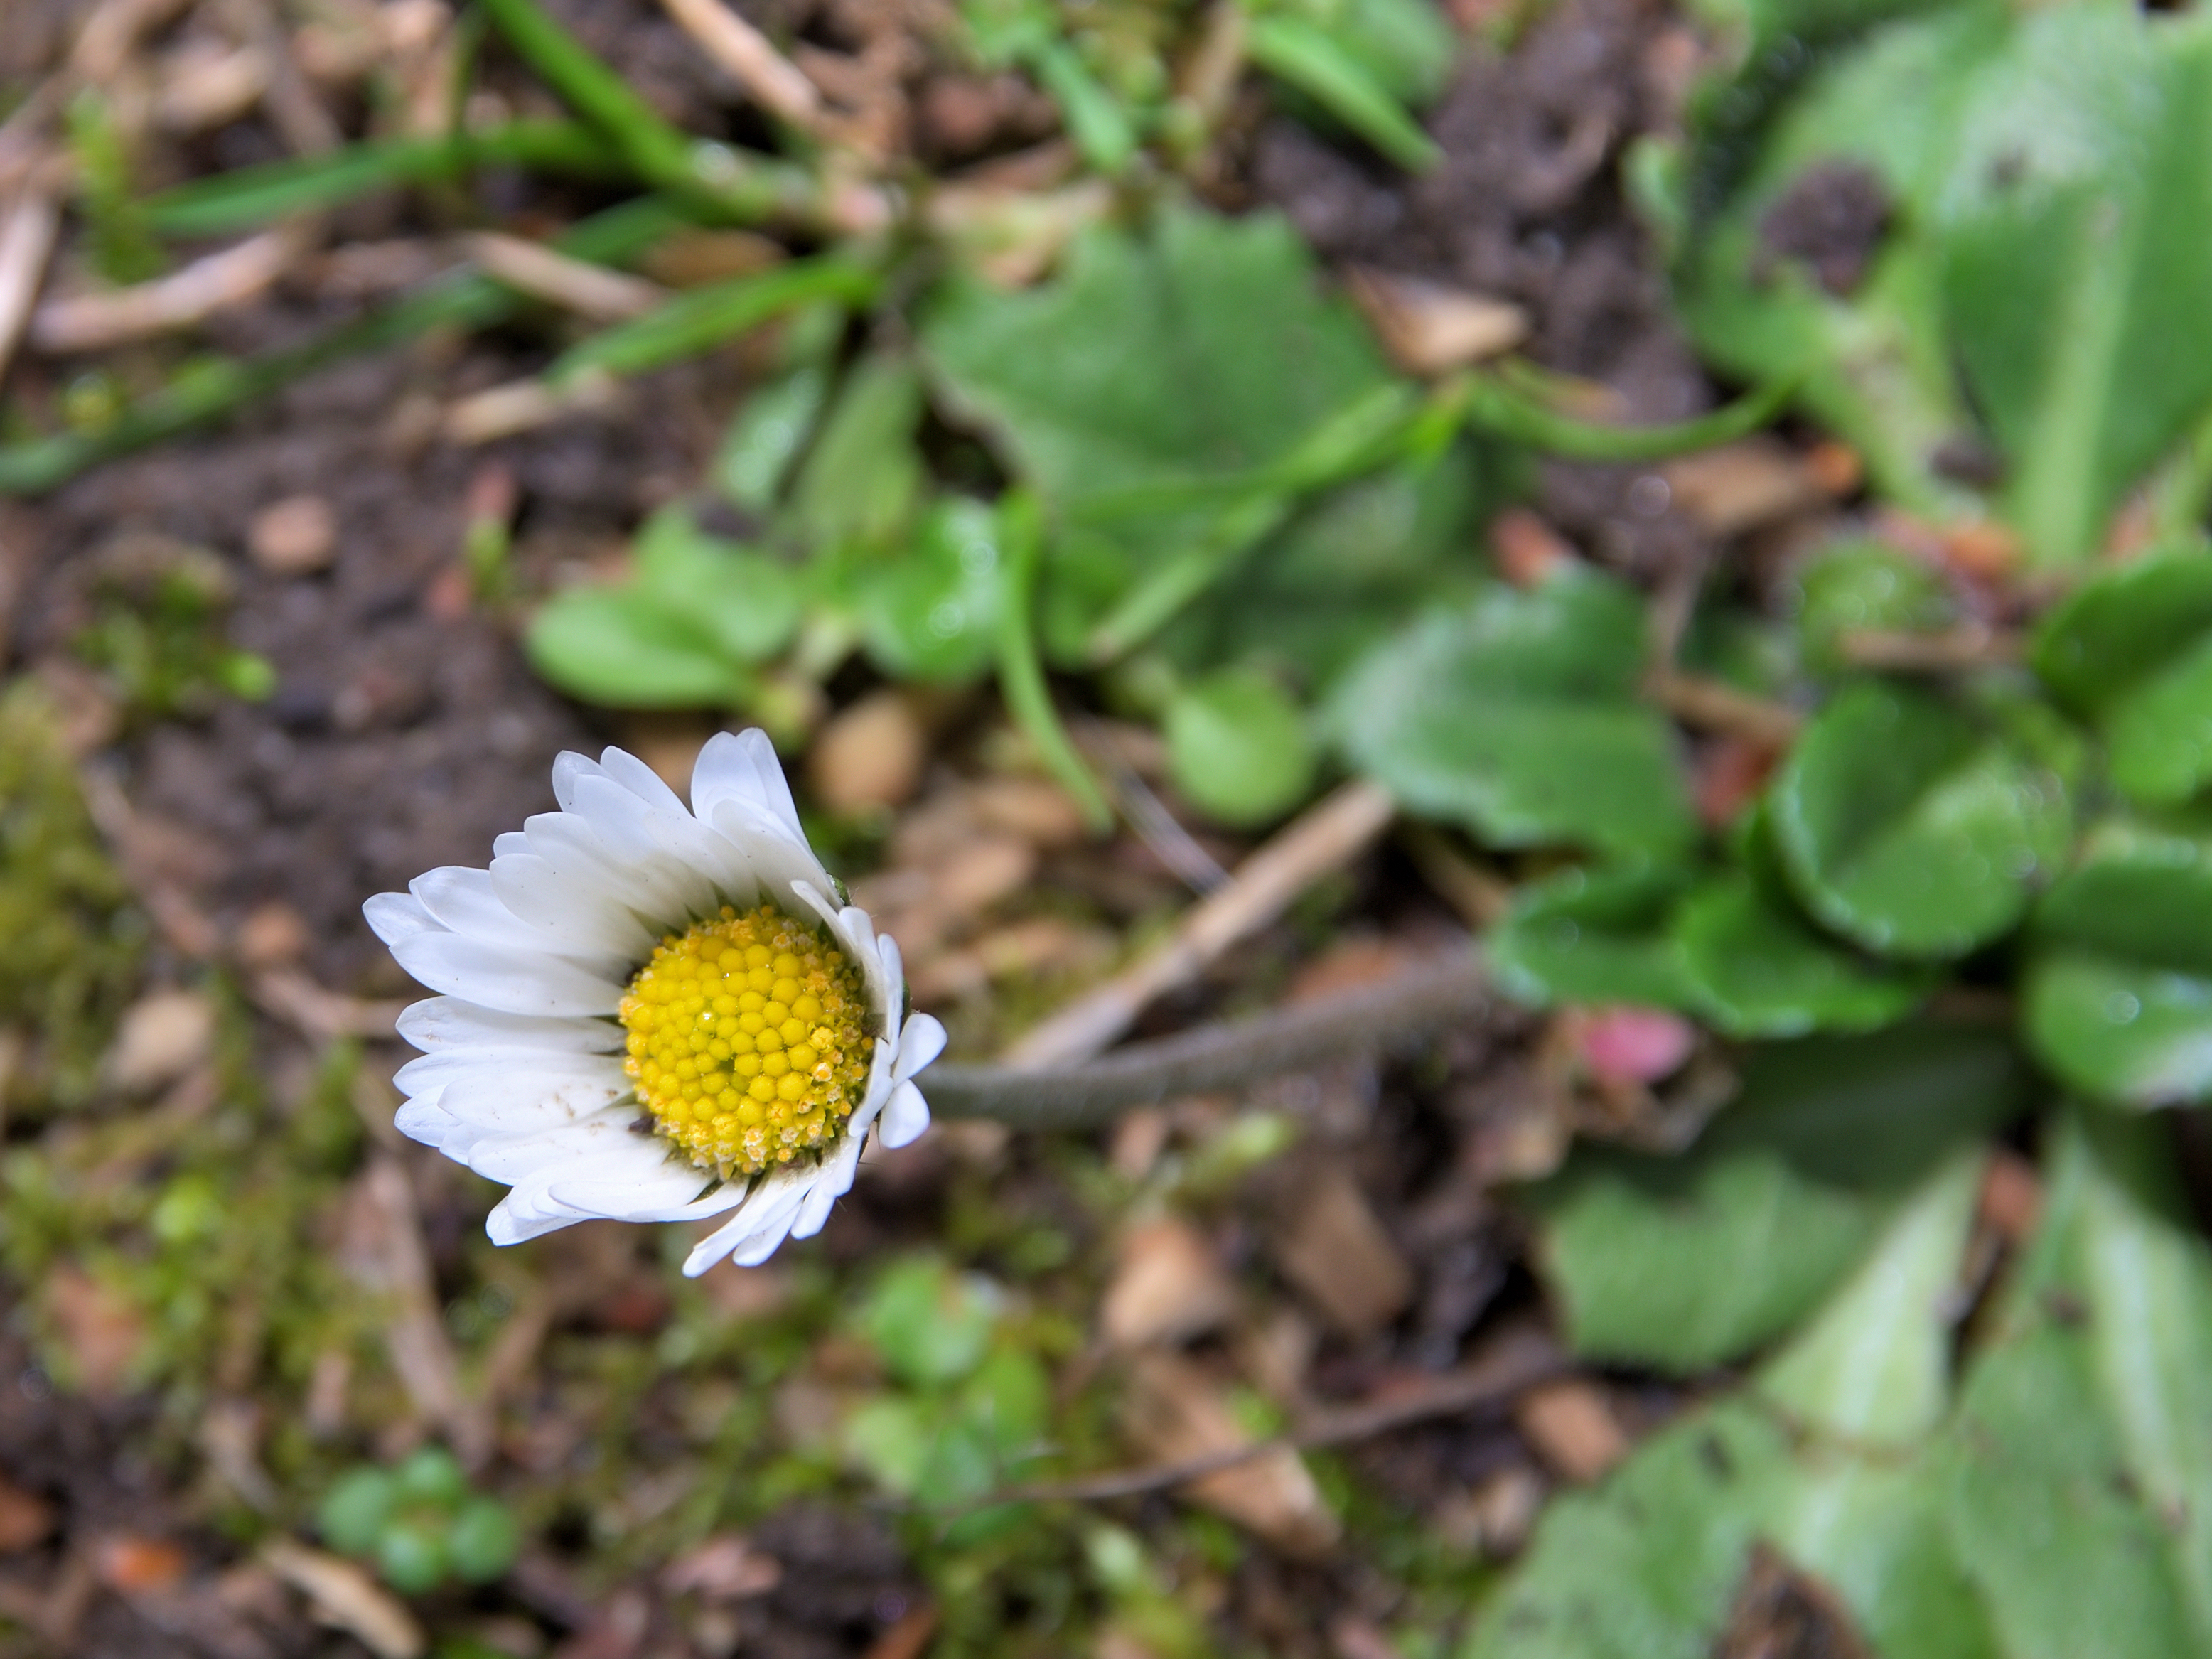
[
  {"x": 736, "y": 184},
  {"x": 1305, "y": 56},
  {"x": 209, "y": 392},
  {"x": 1503, "y": 411},
  {"x": 1021, "y": 672},
  {"x": 250, "y": 197},
  {"x": 704, "y": 318}
]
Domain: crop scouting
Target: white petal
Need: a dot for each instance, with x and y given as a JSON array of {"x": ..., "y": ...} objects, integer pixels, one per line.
[
  {"x": 647, "y": 886},
  {"x": 466, "y": 901},
  {"x": 512, "y": 841},
  {"x": 763, "y": 1222},
  {"x": 625, "y": 824},
  {"x": 513, "y": 1220},
  {"x": 603, "y": 1140},
  {"x": 420, "y": 1120},
  {"x": 513, "y": 981},
  {"x": 831, "y": 1183},
  {"x": 906, "y": 1114},
  {"x": 641, "y": 781},
  {"x": 742, "y": 767},
  {"x": 778, "y": 859},
  {"x": 449, "y": 1023},
  {"x": 578, "y": 911},
  {"x": 450, "y": 1067},
  {"x": 393, "y": 917},
  {"x": 919, "y": 1043}
]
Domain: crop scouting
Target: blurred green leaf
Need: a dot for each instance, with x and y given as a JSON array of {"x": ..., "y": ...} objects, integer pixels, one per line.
[
  {"x": 1594, "y": 936},
  {"x": 353, "y": 1513},
  {"x": 2074, "y": 275},
  {"x": 1238, "y": 748},
  {"x": 748, "y": 603},
  {"x": 2117, "y": 994},
  {"x": 1864, "y": 586},
  {"x": 1323, "y": 66},
  {"x": 1907, "y": 827},
  {"x": 935, "y": 612},
  {"x": 410, "y": 1555},
  {"x": 623, "y": 648},
  {"x": 863, "y": 477},
  {"x": 2083, "y": 1459},
  {"x": 930, "y": 1324},
  {"x": 429, "y": 1475},
  {"x": 484, "y": 1541},
  {"x": 1755, "y": 968},
  {"x": 1689, "y": 1262},
  {"x": 1516, "y": 716}
]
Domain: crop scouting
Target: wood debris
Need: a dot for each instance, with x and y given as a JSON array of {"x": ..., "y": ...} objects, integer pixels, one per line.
[
  {"x": 1329, "y": 1244},
  {"x": 345, "y": 1596},
  {"x": 1429, "y": 328},
  {"x": 1572, "y": 1429},
  {"x": 1169, "y": 1286},
  {"x": 216, "y": 282}
]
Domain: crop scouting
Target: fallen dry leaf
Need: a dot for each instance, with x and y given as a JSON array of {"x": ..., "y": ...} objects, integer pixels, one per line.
[
  {"x": 163, "y": 1035},
  {"x": 1527, "y": 549},
  {"x": 1175, "y": 1411},
  {"x": 99, "y": 1327},
  {"x": 131, "y": 1566},
  {"x": 726, "y": 1568},
  {"x": 1429, "y": 328},
  {"x": 345, "y": 1596},
  {"x": 1571, "y": 1428},
  {"x": 1169, "y": 1287},
  {"x": 26, "y": 1520},
  {"x": 1744, "y": 485},
  {"x": 1329, "y": 1244}
]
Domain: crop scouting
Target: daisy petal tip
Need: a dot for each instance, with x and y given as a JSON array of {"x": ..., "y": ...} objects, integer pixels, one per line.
[
  {"x": 906, "y": 1114},
  {"x": 921, "y": 1039}
]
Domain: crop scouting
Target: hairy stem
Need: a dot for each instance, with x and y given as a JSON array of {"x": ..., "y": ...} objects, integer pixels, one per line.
[{"x": 1445, "y": 992}]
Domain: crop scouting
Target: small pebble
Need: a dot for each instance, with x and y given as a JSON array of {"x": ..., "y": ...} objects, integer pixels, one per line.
[{"x": 295, "y": 536}]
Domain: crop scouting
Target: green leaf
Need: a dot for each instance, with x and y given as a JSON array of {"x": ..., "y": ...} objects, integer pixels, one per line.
[
  {"x": 1318, "y": 64},
  {"x": 2132, "y": 648},
  {"x": 622, "y": 647},
  {"x": 933, "y": 614},
  {"x": 1822, "y": 1462},
  {"x": 2119, "y": 994},
  {"x": 1594, "y": 936},
  {"x": 1907, "y": 827},
  {"x": 353, "y": 1513},
  {"x": 2073, "y": 273},
  {"x": 430, "y": 1475},
  {"x": 482, "y": 1541},
  {"x": 863, "y": 477},
  {"x": 1094, "y": 119},
  {"x": 768, "y": 434},
  {"x": 1686, "y": 1262},
  {"x": 930, "y": 1324},
  {"x": 1194, "y": 355},
  {"x": 2082, "y": 1466},
  {"x": 1755, "y": 969},
  {"x": 411, "y": 1556},
  {"x": 747, "y": 603},
  {"x": 1238, "y": 748},
  {"x": 1864, "y": 585},
  {"x": 1516, "y": 716},
  {"x": 704, "y": 318}
]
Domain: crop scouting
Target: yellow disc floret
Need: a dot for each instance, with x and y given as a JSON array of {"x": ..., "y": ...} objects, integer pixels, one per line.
[{"x": 748, "y": 1040}]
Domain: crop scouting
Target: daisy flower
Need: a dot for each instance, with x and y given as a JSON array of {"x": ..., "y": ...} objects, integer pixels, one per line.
[{"x": 651, "y": 1013}]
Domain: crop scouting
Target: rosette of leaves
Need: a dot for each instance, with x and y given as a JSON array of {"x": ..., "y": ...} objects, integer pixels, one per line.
[{"x": 419, "y": 1523}]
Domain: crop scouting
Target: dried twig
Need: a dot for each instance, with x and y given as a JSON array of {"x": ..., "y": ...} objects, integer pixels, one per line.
[
  {"x": 320, "y": 1013},
  {"x": 500, "y": 411},
  {"x": 1516, "y": 1363},
  {"x": 1715, "y": 707},
  {"x": 92, "y": 322},
  {"x": 1331, "y": 834},
  {"x": 26, "y": 238},
  {"x": 591, "y": 291},
  {"x": 1371, "y": 1017},
  {"x": 348, "y": 1597},
  {"x": 776, "y": 83},
  {"x": 1972, "y": 646}
]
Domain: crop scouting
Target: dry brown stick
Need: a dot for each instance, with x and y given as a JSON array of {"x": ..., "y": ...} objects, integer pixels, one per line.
[
  {"x": 1973, "y": 646},
  {"x": 1326, "y": 837},
  {"x": 774, "y": 82},
  {"x": 1515, "y": 1365},
  {"x": 91, "y": 322},
  {"x": 591, "y": 291},
  {"x": 27, "y": 239},
  {"x": 1714, "y": 706}
]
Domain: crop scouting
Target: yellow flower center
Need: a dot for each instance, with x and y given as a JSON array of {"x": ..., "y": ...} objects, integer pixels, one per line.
[{"x": 748, "y": 1041}]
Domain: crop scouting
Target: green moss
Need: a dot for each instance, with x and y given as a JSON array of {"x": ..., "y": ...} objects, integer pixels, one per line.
[{"x": 70, "y": 939}]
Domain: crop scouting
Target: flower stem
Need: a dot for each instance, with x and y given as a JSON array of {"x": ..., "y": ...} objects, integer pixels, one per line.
[{"x": 1441, "y": 994}]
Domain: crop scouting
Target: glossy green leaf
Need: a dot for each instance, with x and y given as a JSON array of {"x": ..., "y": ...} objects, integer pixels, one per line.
[
  {"x": 2083, "y": 1459},
  {"x": 2118, "y": 996},
  {"x": 1318, "y": 64},
  {"x": 1238, "y": 748},
  {"x": 2074, "y": 272},
  {"x": 1906, "y": 826},
  {"x": 1755, "y": 968},
  {"x": 1516, "y": 716},
  {"x": 933, "y": 613},
  {"x": 1594, "y": 936},
  {"x": 1689, "y": 1262},
  {"x": 862, "y": 477}
]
